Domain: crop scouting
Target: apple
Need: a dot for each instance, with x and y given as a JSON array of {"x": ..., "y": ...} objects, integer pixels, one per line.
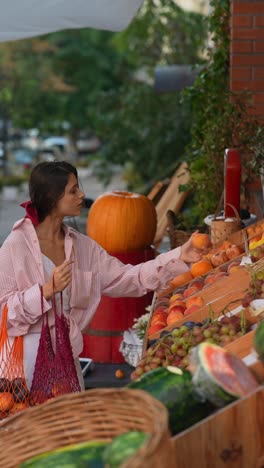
[
  {"x": 221, "y": 274},
  {"x": 177, "y": 296},
  {"x": 177, "y": 308},
  {"x": 192, "y": 308},
  {"x": 195, "y": 300},
  {"x": 210, "y": 279},
  {"x": 219, "y": 258},
  {"x": 174, "y": 317},
  {"x": 154, "y": 329},
  {"x": 233, "y": 251},
  {"x": 198, "y": 283},
  {"x": 190, "y": 290},
  {"x": 176, "y": 304},
  {"x": 232, "y": 267}
]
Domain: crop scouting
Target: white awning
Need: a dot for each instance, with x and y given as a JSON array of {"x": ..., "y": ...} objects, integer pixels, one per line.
[{"x": 27, "y": 18}]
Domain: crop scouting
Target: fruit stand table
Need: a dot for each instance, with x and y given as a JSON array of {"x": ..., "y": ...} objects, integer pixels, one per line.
[{"x": 103, "y": 375}]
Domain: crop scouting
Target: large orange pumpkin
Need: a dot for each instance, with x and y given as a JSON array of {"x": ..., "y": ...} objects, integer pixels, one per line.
[{"x": 122, "y": 221}]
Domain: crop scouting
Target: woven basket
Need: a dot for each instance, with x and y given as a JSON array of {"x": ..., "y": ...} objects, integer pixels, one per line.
[
  {"x": 221, "y": 229},
  {"x": 98, "y": 414}
]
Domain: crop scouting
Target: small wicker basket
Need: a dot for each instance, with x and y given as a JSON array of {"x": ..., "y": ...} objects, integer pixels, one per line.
[{"x": 99, "y": 414}]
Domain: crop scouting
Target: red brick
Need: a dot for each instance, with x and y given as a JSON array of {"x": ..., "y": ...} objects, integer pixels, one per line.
[
  {"x": 258, "y": 73},
  {"x": 241, "y": 74},
  {"x": 258, "y": 109},
  {"x": 242, "y": 21},
  {"x": 244, "y": 60},
  {"x": 251, "y": 85},
  {"x": 259, "y": 21},
  {"x": 247, "y": 8},
  {"x": 242, "y": 47},
  {"x": 251, "y": 33},
  {"x": 258, "y": 98},
  {"x": 258, "y": 46}
]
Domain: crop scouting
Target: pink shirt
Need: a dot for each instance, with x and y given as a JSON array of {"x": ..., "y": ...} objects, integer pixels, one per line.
[{"x": 95, "y": 272}]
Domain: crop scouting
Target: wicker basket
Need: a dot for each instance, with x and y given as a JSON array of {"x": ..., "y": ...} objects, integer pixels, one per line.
[{"x": 98, "y": 414}]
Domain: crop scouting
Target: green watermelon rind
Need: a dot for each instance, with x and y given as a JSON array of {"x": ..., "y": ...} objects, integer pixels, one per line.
[
  {"x": 259, "y": 340},
  {"x": 122, "y": 447},
  {"x": 67, "y": 455},
  {"x": 206, "y": 384},
  {"x": 173, "y": 387}
]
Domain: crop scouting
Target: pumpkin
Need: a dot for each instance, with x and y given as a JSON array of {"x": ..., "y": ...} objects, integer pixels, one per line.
[{"x": 122, "y": 221}]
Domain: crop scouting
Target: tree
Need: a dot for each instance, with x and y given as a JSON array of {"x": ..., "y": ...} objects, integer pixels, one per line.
[{"x": 145, "y": 130}]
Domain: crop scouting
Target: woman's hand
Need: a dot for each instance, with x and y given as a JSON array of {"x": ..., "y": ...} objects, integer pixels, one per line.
[
  {"x": 190, "y": 254},
  {"x": 60, "y": 278}
]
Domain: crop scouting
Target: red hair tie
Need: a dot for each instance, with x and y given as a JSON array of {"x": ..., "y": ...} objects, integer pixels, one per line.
[{"x": 31, "y": 212}]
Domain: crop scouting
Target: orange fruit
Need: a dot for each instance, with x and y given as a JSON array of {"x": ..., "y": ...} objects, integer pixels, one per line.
[{"x": 201, "y": 267}]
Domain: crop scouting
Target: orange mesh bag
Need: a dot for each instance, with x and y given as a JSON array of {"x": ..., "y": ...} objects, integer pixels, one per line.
[{"x": 14, "y": 393}]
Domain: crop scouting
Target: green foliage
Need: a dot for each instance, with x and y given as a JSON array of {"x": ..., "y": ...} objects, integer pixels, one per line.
[
  {"x": 163, "y": 33},
  {"x": 142, "y": 130},
  {"x": 220, "y": 119}
]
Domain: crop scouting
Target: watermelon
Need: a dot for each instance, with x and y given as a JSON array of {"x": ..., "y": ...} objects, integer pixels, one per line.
[
  {"x": 83, "y": 455},
  {"x": 259, "y": 340},
  {"x": 220, "y": 376},
  {"x": 122, "y": 447},
  {"x": 173, "y": 387}
]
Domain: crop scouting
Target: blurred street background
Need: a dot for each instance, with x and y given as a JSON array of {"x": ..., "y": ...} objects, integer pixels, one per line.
[{"x": 10, "y": 211}]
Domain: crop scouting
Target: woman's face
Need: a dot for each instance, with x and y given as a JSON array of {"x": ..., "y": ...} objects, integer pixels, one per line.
[{"x": 71, "y": 202}]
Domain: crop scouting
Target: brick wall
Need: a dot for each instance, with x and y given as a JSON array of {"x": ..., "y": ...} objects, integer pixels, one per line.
[
  {"x": 247, "y": 71},
  {"x": 247, "y": 50}
]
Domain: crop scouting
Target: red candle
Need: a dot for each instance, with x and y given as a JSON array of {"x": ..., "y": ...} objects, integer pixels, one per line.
[{"x": 232, "y": 180}]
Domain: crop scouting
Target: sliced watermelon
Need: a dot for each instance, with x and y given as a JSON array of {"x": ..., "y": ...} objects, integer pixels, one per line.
[{"x": 220, "y": 376}]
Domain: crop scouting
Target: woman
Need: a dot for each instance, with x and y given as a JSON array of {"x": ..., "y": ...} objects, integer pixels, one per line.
[{"x": 42, "y": 251}]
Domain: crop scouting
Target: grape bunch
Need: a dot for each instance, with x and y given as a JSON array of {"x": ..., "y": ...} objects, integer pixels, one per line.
[
  {"x": 256, "y": 288},
  {"x": 174, "y": 347}
]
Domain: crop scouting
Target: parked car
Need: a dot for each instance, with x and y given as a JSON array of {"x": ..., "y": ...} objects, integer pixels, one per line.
[{"x": 24, "y": 156}]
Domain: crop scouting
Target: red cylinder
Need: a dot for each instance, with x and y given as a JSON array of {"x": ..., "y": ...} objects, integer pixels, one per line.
[
  {"x": 232, "y": 182},
  {"x": 115, "y": 315}
]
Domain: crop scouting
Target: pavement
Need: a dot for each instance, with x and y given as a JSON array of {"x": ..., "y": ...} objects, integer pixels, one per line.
[{"x": 10, "y": 211}]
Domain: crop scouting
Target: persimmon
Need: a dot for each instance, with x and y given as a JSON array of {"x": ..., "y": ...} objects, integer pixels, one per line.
[
  {"x": 119, "y": 374},
  {"x": 201, "y": 267},
  {"x": 179, "y": 280},
  {"x": 6, "y": 401},
  {"x": 201, "y": 241}
]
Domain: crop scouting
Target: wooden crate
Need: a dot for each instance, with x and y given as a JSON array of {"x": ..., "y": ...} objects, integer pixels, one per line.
[
  {"x": 230, "y": 438},
  {"x": 224, "y": 291}
]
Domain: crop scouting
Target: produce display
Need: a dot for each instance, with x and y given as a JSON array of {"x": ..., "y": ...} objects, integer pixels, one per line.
[
  {"x": 185, "y": 300},
  {"x": 174, "y": 347},
  {"x": 214, "y": 379},
  {"x": 173, "y": 387},
  {"x": 219, "y": 376}
]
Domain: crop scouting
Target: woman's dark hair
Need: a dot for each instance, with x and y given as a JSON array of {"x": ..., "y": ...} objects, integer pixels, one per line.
[{"x": 47, "y": 185}]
